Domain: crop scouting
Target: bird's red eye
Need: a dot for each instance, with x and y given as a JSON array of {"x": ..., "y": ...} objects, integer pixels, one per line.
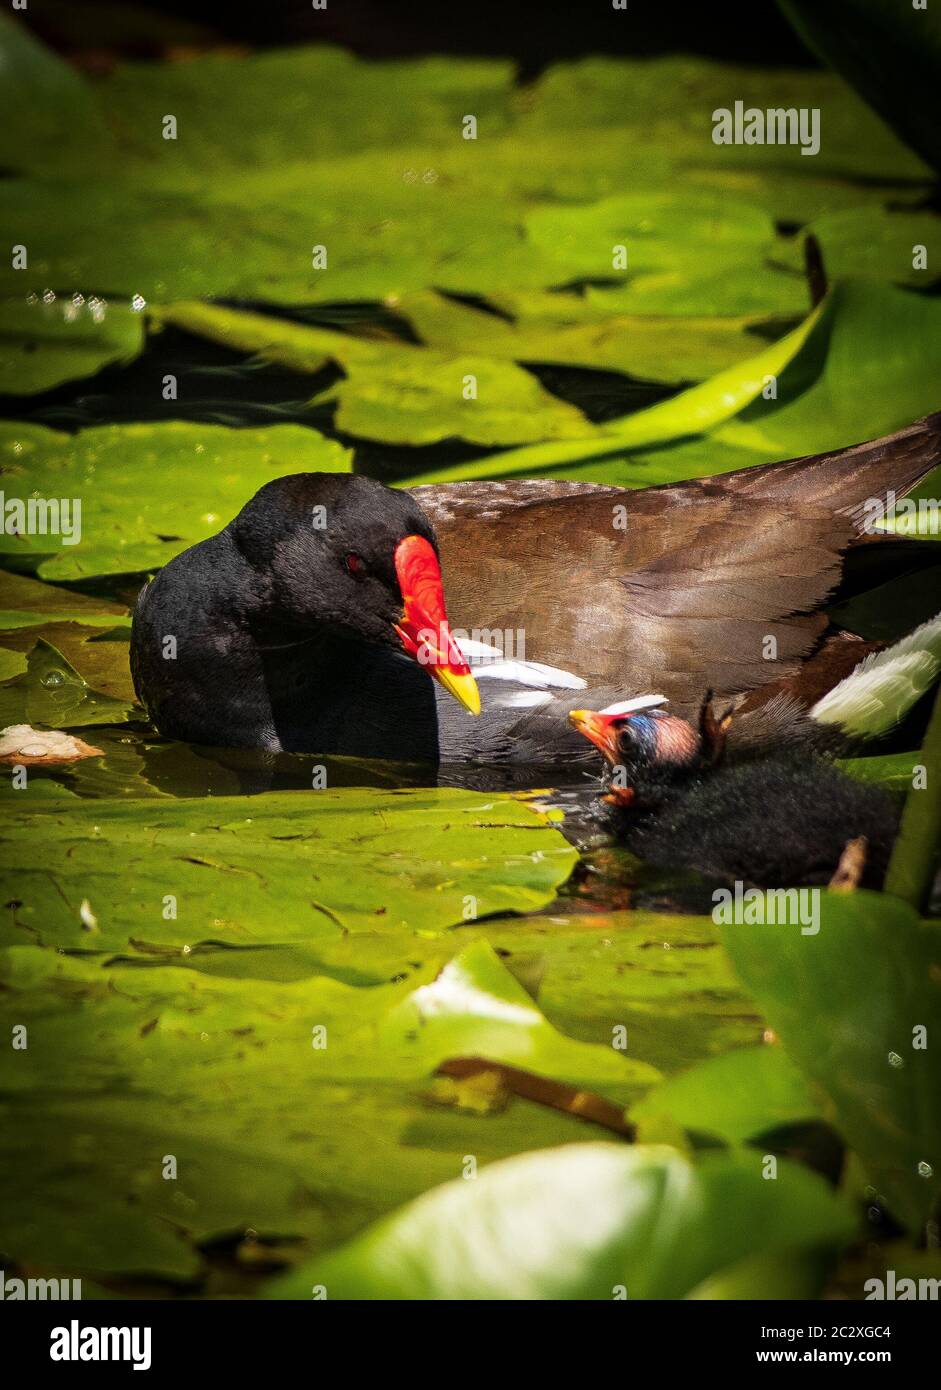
[{"x": 354, "y": 564}]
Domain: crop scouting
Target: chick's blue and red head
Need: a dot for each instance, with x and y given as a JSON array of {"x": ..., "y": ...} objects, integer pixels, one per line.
[{"x": 640, "y": 741}]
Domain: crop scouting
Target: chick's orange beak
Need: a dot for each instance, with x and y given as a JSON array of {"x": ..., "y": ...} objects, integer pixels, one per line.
[
  {"x": 423, "y": 628},
  {"x": 600, "y": 730}
]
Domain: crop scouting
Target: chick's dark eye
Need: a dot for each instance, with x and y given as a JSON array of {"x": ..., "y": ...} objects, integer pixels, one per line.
[{"x": 354, "y": 564}]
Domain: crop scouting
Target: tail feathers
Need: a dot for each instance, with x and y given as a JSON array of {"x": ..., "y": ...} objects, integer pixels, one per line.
[
  {"x": 885, "y": 686},
  {"x": 850, "y": 480}
]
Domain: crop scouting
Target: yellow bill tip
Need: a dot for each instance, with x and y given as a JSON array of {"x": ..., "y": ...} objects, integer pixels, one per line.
[{"x": 462, "y": 687}]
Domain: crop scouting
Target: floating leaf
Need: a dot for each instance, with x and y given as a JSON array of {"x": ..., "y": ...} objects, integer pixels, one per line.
[
  {"x": 396, "y": 392},
  {"x": 692, "y": 412},
  {"x": 206, "y": 475},
  {"x": 865, "y": 362},
  {"x": 588, "y": 1221},
  {"x": 697, "y": 253},
  {"x": 42, "y": 345},
  {"x": 476, "y": 1009},
  {"x": 871, "y": 242},
  {"x": 283, "y": 867},
  {"x": 368, "y": 161},
  {"x": 569, "y": 330},
  {"x": 52, "y": 693},
  {"x": 221, "y": 1073},
  {"x": 848, "y": 1004},
  {"x": 738, "y": 1096},
  {"x": 26, "y": 602}
]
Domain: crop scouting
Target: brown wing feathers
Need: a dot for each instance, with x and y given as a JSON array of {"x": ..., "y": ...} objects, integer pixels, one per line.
[{"x": 686, "y": 595}]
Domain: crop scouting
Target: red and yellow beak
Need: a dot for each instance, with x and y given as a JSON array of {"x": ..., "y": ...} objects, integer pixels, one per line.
[
  {"x": 423, "y": 628},
  {"x": 600, "y": 729}
]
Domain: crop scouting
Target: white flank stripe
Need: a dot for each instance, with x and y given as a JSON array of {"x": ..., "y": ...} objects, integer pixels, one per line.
[{"x": 489, "y": 663}]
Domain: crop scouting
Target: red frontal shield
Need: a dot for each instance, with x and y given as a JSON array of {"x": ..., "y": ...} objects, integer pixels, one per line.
[{"x": 423, "y": 627}]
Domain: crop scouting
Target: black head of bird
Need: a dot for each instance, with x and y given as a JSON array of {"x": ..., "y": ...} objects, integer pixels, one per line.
[{"x": 344, "y": 553}]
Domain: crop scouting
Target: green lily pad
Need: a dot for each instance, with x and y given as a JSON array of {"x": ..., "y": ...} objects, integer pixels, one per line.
[
  {"x": 426, "y": 863},
  {"x": 874, "y": 243},
  {"x": 50, "y": 693},
  {"x": 395, "y": 392},
  {"x": 42, "y": 345},
  {"x": 701, "y": 408},
  {"x": 668, "y": 103},
  {"x": 369, "y": 161},
  {"x": 206, "y": 1054},
  {"x": 865, "y": 362},
  {"x": 337, "y": 105},
  {"x": 570, "y": 330},
  {"x": 589, "y": 1221},
  {"x": 206, "y": 474},
  {"x": 11, "y": 664},
  {"x": 26, "y": 602},
  {"x": 476, "y": 1009},
  {"x": 872, "y": 368},
  {"x": 697, "y": 253},
  {"x": 738, "y": 1096},
  {"x": 86, "y": 659},
  {"x": 221, "y": 1074},
  {"x": 849, "y": 1004}
]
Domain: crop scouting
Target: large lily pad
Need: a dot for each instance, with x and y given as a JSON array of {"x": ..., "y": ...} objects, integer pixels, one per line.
[
  {"x": 26, "y": 602},
  {"x": 700, "y": 253},
  {"x": 277, "y": 868},
  {"x": 369, "y": 161},
  {"x": 701, "y": 408},
  {"x": 130, "y": 524},
  {"x": 42, "y": 345},
  {"x": 221, "y": 1075},
  {"x": 865, "y": 362},
  {"x": 873, "y": 967},
  {"x": 220, "y": 1072},
  {"x": 396, "y": 392},
  {"x": 572, "y": 330},
  {"x": 583, "y": 1222},
  {"x": 476, "y": 1009}
]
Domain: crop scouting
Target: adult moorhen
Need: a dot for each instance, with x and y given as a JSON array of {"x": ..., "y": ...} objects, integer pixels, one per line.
[
  {"x": 303, "y": 626},
  {"x": 288, "y": 637},
  {"x": 772, "y": 817}
]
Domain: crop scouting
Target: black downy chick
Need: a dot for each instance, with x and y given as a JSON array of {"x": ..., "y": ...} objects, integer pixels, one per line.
[{"x": 774, "y": 817}]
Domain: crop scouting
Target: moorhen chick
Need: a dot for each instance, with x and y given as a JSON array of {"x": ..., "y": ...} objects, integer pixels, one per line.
[
  {"x": 293, "y": 638},
  {"x": 773, "y": 818}
]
